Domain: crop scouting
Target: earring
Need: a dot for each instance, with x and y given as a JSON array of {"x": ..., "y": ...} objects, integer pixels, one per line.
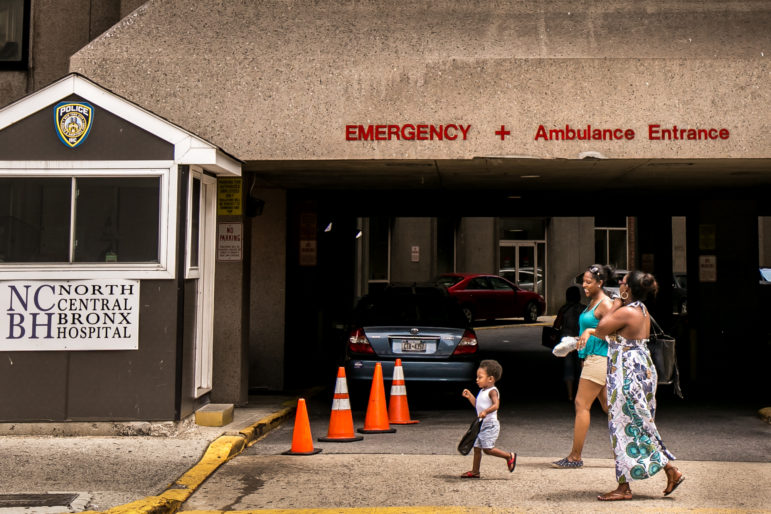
[{"x": 625, "y": 295}]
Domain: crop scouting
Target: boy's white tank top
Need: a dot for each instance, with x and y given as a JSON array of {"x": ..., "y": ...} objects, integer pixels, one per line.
[{"x": 484, "y": 402}]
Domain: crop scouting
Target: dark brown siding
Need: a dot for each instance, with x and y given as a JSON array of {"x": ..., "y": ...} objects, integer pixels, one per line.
[
  {"x": 100, "y": 385},
  {"x": 111, "y": 138}
]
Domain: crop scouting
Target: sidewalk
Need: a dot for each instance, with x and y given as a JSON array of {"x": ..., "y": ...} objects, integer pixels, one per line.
[{"x": 108, "y": 466}]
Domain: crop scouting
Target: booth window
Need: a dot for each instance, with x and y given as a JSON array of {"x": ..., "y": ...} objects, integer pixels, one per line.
[
  {"x": 14, "y": 34},
  {"x": 80, "y": 220}
]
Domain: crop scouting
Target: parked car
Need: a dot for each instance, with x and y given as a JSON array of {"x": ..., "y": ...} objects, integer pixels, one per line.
[
  {"x": 420, "y": 324},
  {"x": 680, "y": 293},
  {"x": 525, "y": 278},
  {"x": 484, "y": 296}
]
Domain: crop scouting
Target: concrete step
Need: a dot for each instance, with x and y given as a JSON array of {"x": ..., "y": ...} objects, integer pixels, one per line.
[{"x": 214, "y": 415}]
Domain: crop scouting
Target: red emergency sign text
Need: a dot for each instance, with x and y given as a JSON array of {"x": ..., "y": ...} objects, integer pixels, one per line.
[{"x": 407, "y": 132}]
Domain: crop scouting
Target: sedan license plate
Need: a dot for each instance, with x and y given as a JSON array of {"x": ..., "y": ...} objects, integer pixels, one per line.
[{"x": 413, "y": 346}]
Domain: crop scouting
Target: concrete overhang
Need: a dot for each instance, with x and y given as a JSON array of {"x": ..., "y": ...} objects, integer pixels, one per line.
[{"x": 280, "y": 80}]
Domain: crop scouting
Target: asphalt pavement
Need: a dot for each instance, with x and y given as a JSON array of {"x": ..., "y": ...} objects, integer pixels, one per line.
[{"x": 725, "y": 452}]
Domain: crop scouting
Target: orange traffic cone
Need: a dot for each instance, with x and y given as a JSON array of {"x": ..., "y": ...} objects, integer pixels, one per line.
[
  {"x": 302, "y": 442},
  {"x": 398, "y": 410},
  {"x": 376, "y": 421},
  {"x": 341, "y": 420}
]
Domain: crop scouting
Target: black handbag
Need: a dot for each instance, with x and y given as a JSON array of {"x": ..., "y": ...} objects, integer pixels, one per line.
[
  {"x": 550, "y": 337},
  {"x": 664, "y": 356},
  {"x": 467, "y": 441}
]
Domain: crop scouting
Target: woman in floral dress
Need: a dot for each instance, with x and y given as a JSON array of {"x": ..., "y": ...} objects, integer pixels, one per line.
[{"x": 637, "y": 446}]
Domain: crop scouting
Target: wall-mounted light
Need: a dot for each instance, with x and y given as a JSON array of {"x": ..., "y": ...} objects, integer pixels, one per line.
[
  {"x": 358, "y": 234},
  {"x": 329, "y": 227},
  {"x": 254, "y": 206}
]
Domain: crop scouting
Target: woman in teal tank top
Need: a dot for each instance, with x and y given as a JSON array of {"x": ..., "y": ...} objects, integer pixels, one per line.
[
  {"x": 594, "y": 352},
  {"x": 594, "y": 345}
]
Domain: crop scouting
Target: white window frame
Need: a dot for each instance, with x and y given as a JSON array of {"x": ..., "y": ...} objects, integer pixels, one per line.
[
  {"x": 166, "y": 171},
  {"x": 204, "y": 282}
]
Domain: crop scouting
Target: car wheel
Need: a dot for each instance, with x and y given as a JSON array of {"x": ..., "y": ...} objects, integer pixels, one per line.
[
  {"x": 531, "y": 312},
  {"x": 469, "y": 314}
]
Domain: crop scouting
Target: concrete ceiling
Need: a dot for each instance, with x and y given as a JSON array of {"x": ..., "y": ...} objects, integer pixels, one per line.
[{"x": 515, "y": 175}]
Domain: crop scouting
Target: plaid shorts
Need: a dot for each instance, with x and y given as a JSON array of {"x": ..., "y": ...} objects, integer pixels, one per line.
[{"x": 488, "y": 434}]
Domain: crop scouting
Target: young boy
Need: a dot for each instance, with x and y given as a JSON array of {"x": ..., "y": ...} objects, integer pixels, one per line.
[{"x": 487, "y": 403}]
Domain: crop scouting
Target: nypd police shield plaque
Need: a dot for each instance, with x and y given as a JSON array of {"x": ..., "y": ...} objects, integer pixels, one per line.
[{"x": 73, "y": 122}]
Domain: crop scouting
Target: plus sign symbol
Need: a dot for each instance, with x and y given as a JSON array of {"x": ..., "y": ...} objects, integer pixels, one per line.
[{"x": 502, "y": 132}]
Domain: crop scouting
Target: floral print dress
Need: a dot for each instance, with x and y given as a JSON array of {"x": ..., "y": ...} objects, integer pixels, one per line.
[{"x": 637, "y": 446}]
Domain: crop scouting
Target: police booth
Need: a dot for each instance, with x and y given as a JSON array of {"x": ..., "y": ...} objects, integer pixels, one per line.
[{"x": 108, "y": 257}]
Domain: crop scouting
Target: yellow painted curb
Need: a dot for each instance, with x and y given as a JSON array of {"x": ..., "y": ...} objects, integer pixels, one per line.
[
  {"x": 370, "y": 510},
  {"x": 220, "y": 451},
  {"x": 255, "y": 432}
]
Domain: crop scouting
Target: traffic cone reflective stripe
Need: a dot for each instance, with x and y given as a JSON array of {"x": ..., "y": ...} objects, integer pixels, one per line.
[
  {"x": 376, "y": 421},
  {"x": 398, "y": 409},
  {"x": 341, "y": 403},
  {"x": 302, "y": 441},
  {"x": 341, "y": 420}
]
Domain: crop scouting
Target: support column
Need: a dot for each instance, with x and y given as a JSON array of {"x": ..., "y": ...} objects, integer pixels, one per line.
[
  {"x": 729, "y": 349},
  {"x": 654, "y": 255}
]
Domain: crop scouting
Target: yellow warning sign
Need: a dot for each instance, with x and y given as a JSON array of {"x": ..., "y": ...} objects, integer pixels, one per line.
[{"x": 229, "y": 192}]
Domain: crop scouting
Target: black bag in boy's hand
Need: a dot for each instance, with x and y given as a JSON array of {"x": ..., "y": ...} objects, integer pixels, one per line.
[
  {"x": 662, "y": 348},
  {"x": 467, "y": 441}
]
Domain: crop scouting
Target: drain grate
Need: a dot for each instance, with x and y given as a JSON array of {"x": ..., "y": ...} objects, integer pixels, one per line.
[{"x": 37, "y": 500}]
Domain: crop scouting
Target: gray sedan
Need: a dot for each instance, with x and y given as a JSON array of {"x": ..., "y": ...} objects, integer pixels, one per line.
[{"x": 421, "y": 325}]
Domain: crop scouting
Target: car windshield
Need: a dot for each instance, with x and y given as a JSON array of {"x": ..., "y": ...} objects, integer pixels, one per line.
[
  {"x": 406, "y": 309},
  {"x": 448, "y": 281}
]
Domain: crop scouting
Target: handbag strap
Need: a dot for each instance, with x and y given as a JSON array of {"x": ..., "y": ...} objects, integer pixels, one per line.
[{"x": 657, "y": 330}]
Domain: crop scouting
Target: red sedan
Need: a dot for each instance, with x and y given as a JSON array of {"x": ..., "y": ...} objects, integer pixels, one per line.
[{"x": 492, "y": 297}]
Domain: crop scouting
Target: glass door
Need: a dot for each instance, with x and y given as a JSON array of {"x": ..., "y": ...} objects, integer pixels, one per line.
[{"x": 524, "y": 263}]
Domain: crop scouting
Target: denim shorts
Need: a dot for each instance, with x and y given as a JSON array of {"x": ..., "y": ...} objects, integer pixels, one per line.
[{"x": 488, "y": 434}]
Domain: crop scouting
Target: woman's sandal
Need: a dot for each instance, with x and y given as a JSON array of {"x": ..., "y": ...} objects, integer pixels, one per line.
[
  {"x": 512, "y": 461},
  {"x": 615, "y": 496},
  {"x": 470, "y": 474},
  {"x": 673, "y": 480}
]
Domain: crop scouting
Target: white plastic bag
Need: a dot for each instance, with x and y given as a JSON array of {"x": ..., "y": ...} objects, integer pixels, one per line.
[{"x": 566, "y": 345}]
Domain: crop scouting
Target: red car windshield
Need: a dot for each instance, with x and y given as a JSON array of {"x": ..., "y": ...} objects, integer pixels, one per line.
[{"x": 448, "y": 281}]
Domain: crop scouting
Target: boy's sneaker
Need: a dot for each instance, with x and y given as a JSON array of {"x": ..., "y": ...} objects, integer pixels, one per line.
[{"x": 567, "y": 464}]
